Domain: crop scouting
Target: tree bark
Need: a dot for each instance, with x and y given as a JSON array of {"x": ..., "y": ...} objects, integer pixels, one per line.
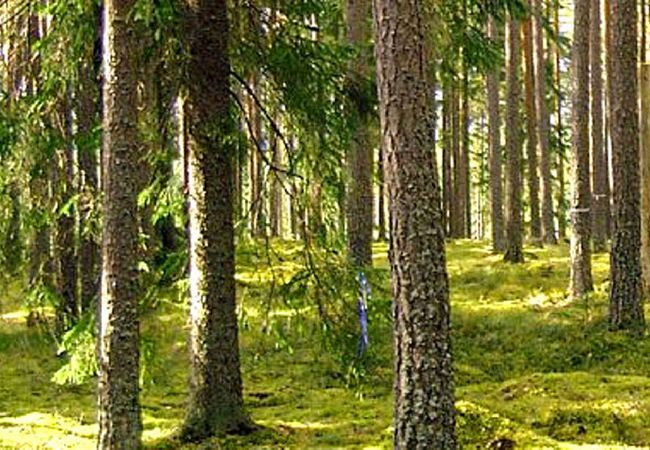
[
  {"x": 531, "y": 132},
  {"x": 600, "y": 166},
  {"x": 626, "y": 307},
  {"x": 514, "y": 227},
  {"x": 424, "y": 416},
  {"x": 359, "y": 200},
  {"x": 89, "y": 250},
  {"x": 543, "y": 126},
  {"x": 581, "y": 280},
  {"x": 120, "y": 424},
  {"x": 215, "y": 402},
  {"x": 645, "y": 177},
  {"x": 561, "y": 202},
  {"x": 67, "y": 312},
  {"x": 494, "y": 136},
  {"x": 464, "y": 191}
]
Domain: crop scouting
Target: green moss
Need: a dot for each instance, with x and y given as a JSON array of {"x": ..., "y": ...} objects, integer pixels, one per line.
[{"x": 532, "y": 368}]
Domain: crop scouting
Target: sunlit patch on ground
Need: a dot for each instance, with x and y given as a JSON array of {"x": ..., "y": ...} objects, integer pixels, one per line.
[{"x": 534, "y": 368}]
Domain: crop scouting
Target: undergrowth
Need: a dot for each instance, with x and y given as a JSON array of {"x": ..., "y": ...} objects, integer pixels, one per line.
[{"x": 533, "y": 368}]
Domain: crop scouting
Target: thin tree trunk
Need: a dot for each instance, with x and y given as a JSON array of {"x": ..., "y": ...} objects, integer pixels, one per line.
[
  {"x": 531, "y": 132},
  {"x": 381, "y": 197},
  {"x": 581, "y": 280},
  {"x": 65, "y": 249},
  {"x": 424, "y": 416},
  {"x": 359, "y": 200},
  {"x": 599, "y": 151},
  {"x": 494, "y": 136},
  {"x": 543, "y": 126},
  {"x": 514, "y": 227},
  {"x": 89, "y": 250},
  {"x": 626, "y": 306},
  {"x": 457, "y": 209},
  {"x": 464, "y": 192},
  {"x": 561, "y": 202},
  {"x": 120, "y": 423},
  {"x": 447, "y": 151}
]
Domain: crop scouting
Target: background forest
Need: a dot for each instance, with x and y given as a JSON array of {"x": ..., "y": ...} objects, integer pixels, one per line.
[{"x": 324, "y": 224}]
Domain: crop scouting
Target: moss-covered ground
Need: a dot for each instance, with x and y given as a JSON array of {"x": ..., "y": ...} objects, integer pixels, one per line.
[{"x": 533, "y": 369}]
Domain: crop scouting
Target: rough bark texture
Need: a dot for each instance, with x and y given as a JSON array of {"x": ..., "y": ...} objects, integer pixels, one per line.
[
  {"x": 120, "y": 425},
  {"x": 359, "y": 199},
  {"x": 581, "y": 281},
  {"x": 494, "y": 138},
  {"x": 531, "y": 133},
  {"x": 89, "y": 250},
  {"x": 514, "y": 227},
  {"x": 645, "y": 177},
  {"x": 215, "y": 402},
  {"x": 543, "y": 126},
  {"x": 424, "y": 416},
  {"x": 67, "y": 311},
  {"x": 600, "y": 166},
  {"x": 626, "y": 306}
]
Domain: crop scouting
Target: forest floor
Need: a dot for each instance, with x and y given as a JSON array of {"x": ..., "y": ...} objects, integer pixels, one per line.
[{"x": 533, "y": 369}]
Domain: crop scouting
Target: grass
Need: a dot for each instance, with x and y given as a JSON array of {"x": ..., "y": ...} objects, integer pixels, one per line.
[{"x": 533, "y": 368}]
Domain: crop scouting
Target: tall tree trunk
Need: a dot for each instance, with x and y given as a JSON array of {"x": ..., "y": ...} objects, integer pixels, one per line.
[
  {"x": 359, "y": 201},
  {"x": 514, "y": 227},
  {"x": 215, "y": 402},
  {"x": 494, "y": 136},
  {"x": 626, "y": 307},
  {"x": 543, "y": 126},
  {"x": 645, "y": 177},
  {"x": 65, "y": 249},
  {"x": 424, "y": 416},
  {"x": 600, "y": 166},
  {"x": 561, "y": 202},
  {"x": 464, "y": 191},
  {"x": 456, "y": 223},
  {"x": 120, "y": 424},
  {"x": 447, "y": 152},
  {"x": 581, "y": 280},
  {"x": 531, "y": 132},
  {"x": 89, "y": 250}
]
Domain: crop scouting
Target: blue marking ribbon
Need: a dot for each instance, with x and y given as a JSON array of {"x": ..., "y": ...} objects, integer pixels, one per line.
[{"x": 364, "y": 297}]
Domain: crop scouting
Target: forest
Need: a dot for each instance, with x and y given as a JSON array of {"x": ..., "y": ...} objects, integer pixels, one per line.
[{"x": 409, "y": 224}]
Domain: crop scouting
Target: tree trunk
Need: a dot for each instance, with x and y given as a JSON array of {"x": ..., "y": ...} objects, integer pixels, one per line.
[
  {"x": 120, "y": 423},
  {"x": 89, "y": 251},
  {"x": 494, "y": 136},
  {"x": 424, "y": 416},
  {"x": 561, "y": 202},
  {"x": 464, "y": 192},
  {"x": 531, "y": 132},
  {"x": 359, "y": 199},
  {"x": 215, "y": 403},
  {"x": 456, "y": 212},
  {"x": 67, "y": 311},
  {"x": 626, "y": 307},
  {"x": 581, "y": 281},
  {"x": 600, "y": 167},
  {"x": 543, "y": 126},
  {"x": 645, "y": 177},
  {"x": 381, "y": 197},
  {"x": 514, "y": 227},
  {"x": 447, "y": 151}
]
